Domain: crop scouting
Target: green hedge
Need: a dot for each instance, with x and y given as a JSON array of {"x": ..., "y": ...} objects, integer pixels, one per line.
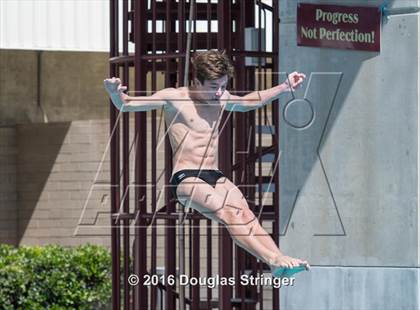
[{"x": 54, "y": 277}]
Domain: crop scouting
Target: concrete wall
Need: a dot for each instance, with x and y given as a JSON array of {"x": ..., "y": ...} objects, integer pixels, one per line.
[
  {"x": 349, "y": 181},
  {"x": 344, "y": 288},
  {"x": 40, "y": 86},
  {"x": 54, "y": 86}
]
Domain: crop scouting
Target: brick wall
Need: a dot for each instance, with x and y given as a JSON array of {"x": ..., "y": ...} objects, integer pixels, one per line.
[
  {"x": 57, "y": 165},
  {"x": 8, "y": 197},
  {"x": 55, "y": 182}
]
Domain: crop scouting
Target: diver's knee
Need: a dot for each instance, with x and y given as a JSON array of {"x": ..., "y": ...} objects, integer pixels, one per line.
[{"x": 237, "y": 215}]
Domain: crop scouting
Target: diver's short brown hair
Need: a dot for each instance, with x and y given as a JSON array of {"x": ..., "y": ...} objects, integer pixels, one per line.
[{"x": 211, "y": 65}]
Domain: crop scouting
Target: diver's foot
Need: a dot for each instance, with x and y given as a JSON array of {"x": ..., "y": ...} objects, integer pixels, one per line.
[
  {"x": 282, "y": 272},
  {"x": 286, "y": 266}
]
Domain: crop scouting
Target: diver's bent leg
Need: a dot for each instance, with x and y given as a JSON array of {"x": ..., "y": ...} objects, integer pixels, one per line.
[{"x": 240, "y": 224}]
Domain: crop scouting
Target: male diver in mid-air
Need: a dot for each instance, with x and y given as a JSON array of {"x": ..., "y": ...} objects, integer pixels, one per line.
[{"x": 192, "y": 115}]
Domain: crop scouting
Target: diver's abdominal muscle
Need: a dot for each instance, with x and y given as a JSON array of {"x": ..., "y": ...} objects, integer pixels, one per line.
[
  {"x": 196, "y": 156},
  {"x": 194, "y": 146}
]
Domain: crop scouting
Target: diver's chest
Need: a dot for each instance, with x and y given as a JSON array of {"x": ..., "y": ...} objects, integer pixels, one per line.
[{"x": 201, "y": 120}]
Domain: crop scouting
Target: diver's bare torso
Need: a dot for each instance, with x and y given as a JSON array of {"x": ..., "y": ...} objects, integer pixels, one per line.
[{"x": 193, "y": 129}]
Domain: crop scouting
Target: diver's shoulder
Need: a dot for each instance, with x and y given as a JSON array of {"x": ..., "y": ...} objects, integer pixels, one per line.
[{"x": 176, "y": 93}]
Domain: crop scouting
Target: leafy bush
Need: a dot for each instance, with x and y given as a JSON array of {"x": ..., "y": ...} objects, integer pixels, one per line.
[{"x": 54, "y": 277}]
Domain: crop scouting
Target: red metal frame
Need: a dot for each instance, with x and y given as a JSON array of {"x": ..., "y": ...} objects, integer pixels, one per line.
[{"x": 241, "y": 160}]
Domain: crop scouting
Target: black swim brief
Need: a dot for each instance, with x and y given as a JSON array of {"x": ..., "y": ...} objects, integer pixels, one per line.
[{"x": 207, "y": 175}]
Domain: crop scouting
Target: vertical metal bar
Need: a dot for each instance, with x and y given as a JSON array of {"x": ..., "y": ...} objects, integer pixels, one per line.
[
  {"x": 209, "y": 222},
  {"x": 209, "y": 261},
  {"x": 140, "y": 230},
  {"x": 225, "y": 143},
  {"x": 251, "y": 261},
  {"x": 259, "y": 148},
  {"x": 181, "y": 250},
  {"x": 261, "y": 123},
  {"x": 194, "y": 41},
  {"x": 241, "y": 147},
  {"x": 182, "y": 78},
  {"x": 181, "y": 44},
  {"x": 276, "y": 142},
  {"x": 187, "y": 49},
  {"x": 126, "y": 166},
  {"x": 192, "y": 258},
  {"x": 153, "y": 292},
  {"x": 195, "y": 298},
  {"x": 260, "y": 143},
  {"x": 170, "y": 231},
  {"x": 190, "y": 233},
  {"x": 209, "y": 20},
  {"x": 115, "y": 181}
]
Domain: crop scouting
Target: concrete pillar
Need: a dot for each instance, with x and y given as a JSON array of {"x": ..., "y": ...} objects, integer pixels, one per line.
[{"x": 350, "y": 168}]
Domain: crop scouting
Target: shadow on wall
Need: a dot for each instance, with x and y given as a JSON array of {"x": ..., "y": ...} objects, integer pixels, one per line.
[{"x": 38, "y": 154}]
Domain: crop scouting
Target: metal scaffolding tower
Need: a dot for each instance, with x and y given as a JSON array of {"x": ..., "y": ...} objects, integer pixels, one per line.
[{"x": 242, "y": 153}]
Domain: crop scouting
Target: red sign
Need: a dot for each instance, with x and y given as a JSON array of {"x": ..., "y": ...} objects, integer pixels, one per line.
[{"x": 335, "y": 26}]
